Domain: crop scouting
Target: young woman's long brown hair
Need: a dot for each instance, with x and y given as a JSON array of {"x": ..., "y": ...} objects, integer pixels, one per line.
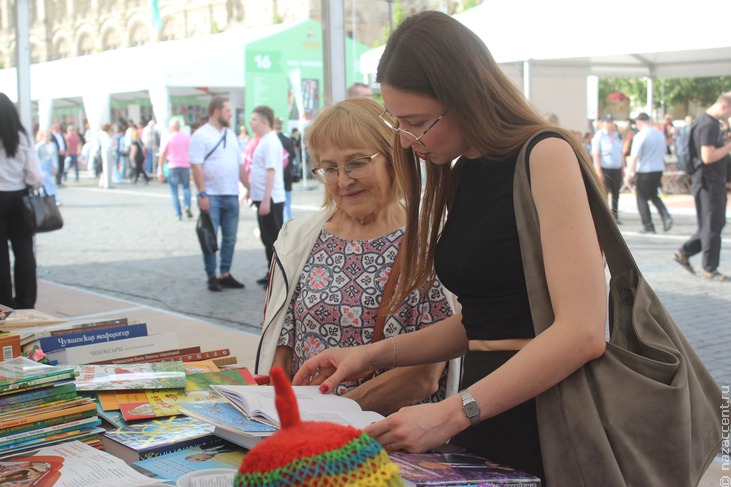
[{"x": 433, "y": 54}]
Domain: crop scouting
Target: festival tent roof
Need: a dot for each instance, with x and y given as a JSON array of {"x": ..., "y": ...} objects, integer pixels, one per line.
[
  {"x": 622, "y": 38},
  {"x": 211, "y": 61}
]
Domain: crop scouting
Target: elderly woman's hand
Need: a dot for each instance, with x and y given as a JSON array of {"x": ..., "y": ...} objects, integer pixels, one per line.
[{"x": 335, "y": 365}]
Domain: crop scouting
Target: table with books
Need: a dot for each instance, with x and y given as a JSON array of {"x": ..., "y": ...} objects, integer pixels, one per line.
[{"x": 178, "y": 419}]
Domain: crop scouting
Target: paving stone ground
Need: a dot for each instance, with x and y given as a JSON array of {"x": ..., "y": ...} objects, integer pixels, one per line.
[{"x": 125, "y": 242}]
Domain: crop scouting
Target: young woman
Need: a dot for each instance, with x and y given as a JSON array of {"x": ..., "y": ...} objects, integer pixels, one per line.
[{"x": 446, "y": 98}]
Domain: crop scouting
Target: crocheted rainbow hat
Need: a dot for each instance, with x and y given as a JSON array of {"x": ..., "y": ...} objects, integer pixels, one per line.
[{"x": 314, "y": 453}]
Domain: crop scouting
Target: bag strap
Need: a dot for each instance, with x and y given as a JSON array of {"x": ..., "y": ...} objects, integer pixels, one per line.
[
  {"x": 386, "y": 299},
  {"x": 222, "y": 139},
  {"x": 618, "y": 256}
]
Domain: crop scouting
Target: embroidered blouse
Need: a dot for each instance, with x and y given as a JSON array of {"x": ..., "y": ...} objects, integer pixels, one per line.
[{"x": 338, "y": 296}]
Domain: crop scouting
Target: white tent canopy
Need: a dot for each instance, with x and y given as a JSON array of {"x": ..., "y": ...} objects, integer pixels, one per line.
[
  {"x": 538, "y": 42},
  {"x": 178, "y": 67},
  {"x": 622, "y": 38}
]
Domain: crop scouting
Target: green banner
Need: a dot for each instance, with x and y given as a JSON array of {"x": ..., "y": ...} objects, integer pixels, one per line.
[{"x": 285, "y": 72}]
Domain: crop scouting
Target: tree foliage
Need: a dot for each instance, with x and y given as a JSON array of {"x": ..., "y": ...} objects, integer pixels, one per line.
[{"x": 678, "y": 91}]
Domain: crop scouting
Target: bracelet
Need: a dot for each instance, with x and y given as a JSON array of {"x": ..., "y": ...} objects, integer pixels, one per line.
[{"x": 395, "y": 352}]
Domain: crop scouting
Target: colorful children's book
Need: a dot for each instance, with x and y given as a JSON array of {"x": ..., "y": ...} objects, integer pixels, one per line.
[
  {"x": 12, "y": 439},
  {"x": 35, "y": 397},
  {"x": 161, "y": 375},
  {"x": 68, "y": 464},
  {"x": 92, "y": 335},
  {"x": 22, "y": 373},
  {"x": 230, "y": 423},
  {"x": 42, "y": 418},
  {"x": 164, "y": 402},
  {"x": 155, "y": 437},
  {"x": 174, "y": 465},
  {"x": 457, "y": 469},
  {"x": 90, "y": 436}
]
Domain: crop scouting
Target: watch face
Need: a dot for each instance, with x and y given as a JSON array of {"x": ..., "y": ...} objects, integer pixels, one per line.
[{"x": 471, "y": 409}]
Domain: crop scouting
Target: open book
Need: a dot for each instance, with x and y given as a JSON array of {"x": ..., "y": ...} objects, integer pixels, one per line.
[{"x": 258, "y": 404}]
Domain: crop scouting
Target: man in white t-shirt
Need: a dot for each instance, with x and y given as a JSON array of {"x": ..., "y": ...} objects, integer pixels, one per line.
[
  {"x": 267, "y": 183},
  {"x": 217, "y": 166}
]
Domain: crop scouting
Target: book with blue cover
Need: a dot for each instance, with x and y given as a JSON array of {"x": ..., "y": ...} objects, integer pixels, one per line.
[
  {"x": 174, "y": 465},
  {"x": 230, "y": 423},
  {"x": 146, "y": 439},
  {"x": 92, "y": 335}
]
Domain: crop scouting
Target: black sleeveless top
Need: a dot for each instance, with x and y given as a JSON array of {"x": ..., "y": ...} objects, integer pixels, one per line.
[{"x": 478, "y": 254}]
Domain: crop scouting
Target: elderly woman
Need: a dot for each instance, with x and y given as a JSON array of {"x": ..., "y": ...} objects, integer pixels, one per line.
[{"x": 330, "y": 268}]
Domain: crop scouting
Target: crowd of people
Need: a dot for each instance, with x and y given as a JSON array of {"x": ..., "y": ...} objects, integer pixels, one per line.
[{"x": 397, "y": 212}]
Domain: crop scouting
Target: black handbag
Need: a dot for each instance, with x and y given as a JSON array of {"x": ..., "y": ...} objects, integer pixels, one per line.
[
  {"x": 206, "y": 234},
  {"x": 40, "y": 211},
  {"x": 647, "y": 412}
]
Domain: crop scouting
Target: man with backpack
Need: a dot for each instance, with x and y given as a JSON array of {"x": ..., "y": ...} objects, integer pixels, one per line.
[{"x": 709, "y": 190}]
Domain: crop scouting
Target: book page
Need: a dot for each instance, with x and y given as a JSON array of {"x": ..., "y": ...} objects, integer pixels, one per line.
[
  {"x": 259, "y": 402},
  {"x": 359, "y": 419},
  {"x": 71, "y": 464}
]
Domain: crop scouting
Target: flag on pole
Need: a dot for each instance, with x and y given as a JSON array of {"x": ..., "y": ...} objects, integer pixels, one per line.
[{"x": 156, "y": 19}]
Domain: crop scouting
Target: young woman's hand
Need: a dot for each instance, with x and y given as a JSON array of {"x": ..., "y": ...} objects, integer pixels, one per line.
[
  {"x": 333, "y": 366},
  {"x": 416, "y": 429}
]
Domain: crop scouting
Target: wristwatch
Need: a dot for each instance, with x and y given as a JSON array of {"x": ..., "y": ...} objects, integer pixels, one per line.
[
  {"x": 203, "y": 194},
  {"x": 470, "y": 407}
]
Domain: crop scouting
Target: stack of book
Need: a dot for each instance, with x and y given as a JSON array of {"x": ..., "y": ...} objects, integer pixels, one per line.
[
  {"x": 116, "y": 341},
  {"x": 39, "y": 405},
  {"x": 142, "y": 403}
]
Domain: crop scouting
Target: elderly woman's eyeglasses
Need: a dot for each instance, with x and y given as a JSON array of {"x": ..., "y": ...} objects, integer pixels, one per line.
[
  {"x": 356, "y": 168},
  {"x": 394, "y": 126}
]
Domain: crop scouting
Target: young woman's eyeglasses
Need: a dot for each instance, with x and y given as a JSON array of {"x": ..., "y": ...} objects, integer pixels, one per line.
[
  {"x": 394, "y": 126},
  {"x": 356, "y": 168}
]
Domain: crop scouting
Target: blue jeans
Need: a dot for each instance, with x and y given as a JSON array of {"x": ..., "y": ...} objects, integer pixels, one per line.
[
  {"x": 149, "y": 155},
  {"x": 224, "y": 213},
  {"x": 287, "y": 206},
  {"x": 179, "y": 176}
]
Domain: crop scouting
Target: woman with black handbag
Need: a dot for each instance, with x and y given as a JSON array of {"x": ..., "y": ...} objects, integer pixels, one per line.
[{"x": 19, "y": 169}]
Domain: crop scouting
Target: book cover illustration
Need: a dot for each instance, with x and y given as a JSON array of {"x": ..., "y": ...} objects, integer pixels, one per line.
[
  {"x": 459, "y": 468},
  {"x": 158, "y": 375},
  {"x": 174, "y": 465},
  {"x": 165, "y": 402},
  {"x": 225, "y": 415},
  {"x": 92, "y": 335},
  {"x": 21, "y": 372},
  {"x": 68, "y": 464},
  {"x": 159, "y": 432}
]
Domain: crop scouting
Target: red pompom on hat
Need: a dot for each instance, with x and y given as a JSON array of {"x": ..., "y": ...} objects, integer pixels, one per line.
[{"x": 314, "y": 453}]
